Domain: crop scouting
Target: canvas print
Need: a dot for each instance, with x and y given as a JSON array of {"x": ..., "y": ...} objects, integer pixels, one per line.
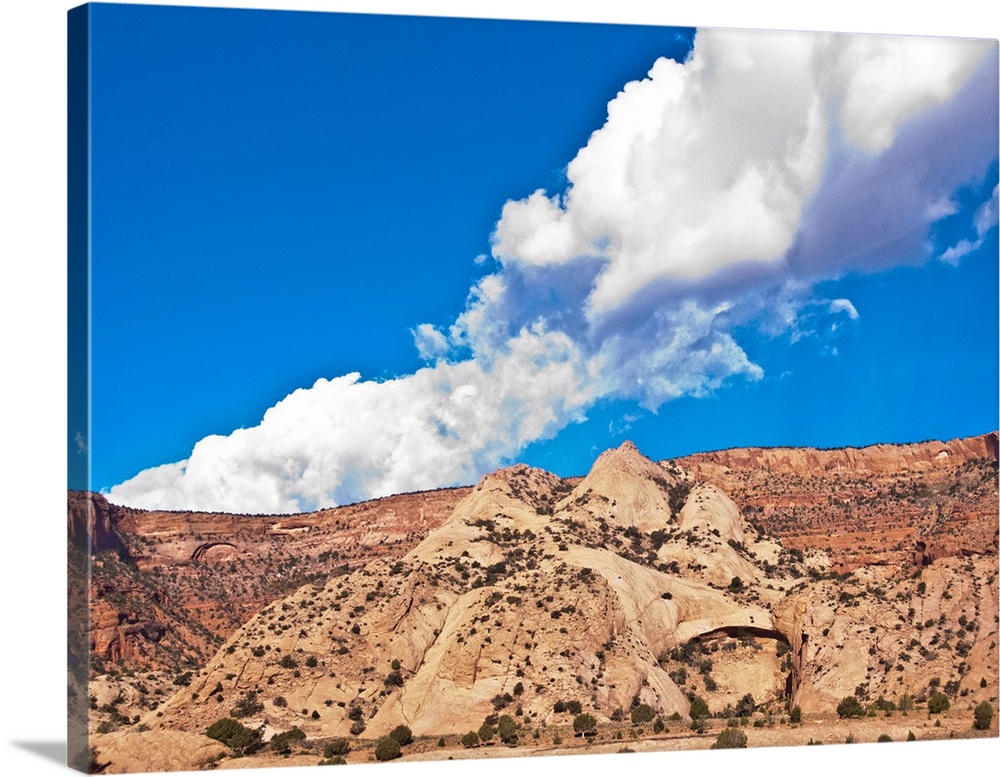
[{"x": 460, "y": 388}]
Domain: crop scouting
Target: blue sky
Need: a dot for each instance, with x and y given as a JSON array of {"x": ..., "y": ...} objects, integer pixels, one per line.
[{"x": 286, "y": 198}]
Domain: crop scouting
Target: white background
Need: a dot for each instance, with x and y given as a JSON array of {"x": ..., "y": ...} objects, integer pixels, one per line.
[{"x": 32, "y": 370}]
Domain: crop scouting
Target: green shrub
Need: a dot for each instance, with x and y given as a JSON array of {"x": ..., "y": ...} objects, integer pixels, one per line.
[
  {"x": 938, "y": 703},
  {"x": 642, "y": 713},
  {"x": 795, "y": 716},
  {"x": 386, "y": 749},
  {"x": 746, "y": 706},
  {"x": 984, "y": 716},
  {"x": 585, "y": 723},
  {"x": 247, "y": 705},
  {"x": 699, "y": 708},
  {"x": 336, "y": 747},
  {"x": 507, "y": 730},
  {"x": 234, "y": 734},
  {"x": 402, "y": 735},
  {"x": 911, "y": 737},
  {"x": 730, "y": 738},
  {"x": 850, "y": 707},
  {"x": 470, "y": 740},
  {"x": 282, "y": 743},
  {"x": 884, "y": 738}
]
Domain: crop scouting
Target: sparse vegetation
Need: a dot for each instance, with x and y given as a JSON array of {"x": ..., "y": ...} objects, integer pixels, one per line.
[
  {"x": 235, "y": 735},
  {"x": 983, "y": 716},
  {"x": 850, "y": 707},
  {"x": 730, "y": 738}
]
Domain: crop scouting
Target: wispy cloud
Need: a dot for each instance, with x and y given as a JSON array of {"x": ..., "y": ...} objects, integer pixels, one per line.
[
  {"x": 717, "y": 193},
  {"x": 984, "y": 220}
]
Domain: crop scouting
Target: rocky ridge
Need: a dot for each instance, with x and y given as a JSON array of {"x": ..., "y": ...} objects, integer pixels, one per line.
[{"x": 642, "y": 585}]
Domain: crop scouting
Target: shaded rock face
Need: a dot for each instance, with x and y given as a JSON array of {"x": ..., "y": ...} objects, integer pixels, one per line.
[{"x": 91, "y": 523}]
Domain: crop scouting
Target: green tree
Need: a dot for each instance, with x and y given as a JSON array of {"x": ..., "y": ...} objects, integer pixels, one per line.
[
  {"x": 984, "y": 716},
  {"x": 336, "y": 747},
  {"x": 234, "y": 734},
  {"x": 746, "y": 706},
  {"x": 486, "y": 732},
  {"x": 507, "y": 730},
  {"x": 730, "y": 738},
  {"x": 386, "y": 749},
  {"x": 402, "y": 734},
  {"x": 470, "y": 740},
  {"x": 584, "y": 724},
  {"x": 247, "y": 705},
  {"x": 699, "y": 708},
  {"x": 938, "y": 703},
  {"x": 795, "y": 715},
  {"x": 850, "y": 707},
  {"x": 282, "y": 743},
  {"x": 642, "y": 713}
]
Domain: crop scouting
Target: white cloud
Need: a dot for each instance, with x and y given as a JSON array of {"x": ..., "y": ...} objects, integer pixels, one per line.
[
  {"x": 703, "y": 171},
  {"x": 983, "y": 221},
  {"x": 716, "y": 194},
  {"x": 844, "y": 306},
  {"x": 344, "y": 440}
]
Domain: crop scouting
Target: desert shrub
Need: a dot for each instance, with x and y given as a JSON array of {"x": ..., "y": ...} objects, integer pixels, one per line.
[
  {"x": 938, "y": 703},
  {"x": 983, "y": 715},
  {"x": 659, "y": 726},
  {"x": 795, "y": 715},
  {"x": 911, "y": 737},
  {"x": 393, "y": 678},
  {"x": 642, "y": 713},
  {"x": 282, "y": 743},
  {"x": 507, "y": 730},
  {"x": 730, "y": 738},
  {"x": 486, "y": 732},
  {"x": 387, "y": 749},
  {"x": 287, "y": 662},
  {"x": 584, "y": 723},
  {"x": 850, "y": 707},
  {"x": 746, "y": 706},
  {"x": 402, "y": 734},
  {"x": 234, "y": 734},
  {"x": 884, "y": 738},
  {"x": 280, "y": 701},
  {"x": 699, "y": 708},
  {"x": 336, "y": 747},
  {"x": 470, "y": 740},
  {"x": 247, "y": 705}
]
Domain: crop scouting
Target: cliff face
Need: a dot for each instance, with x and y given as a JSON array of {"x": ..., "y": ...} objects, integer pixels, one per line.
[
  {"x": 722, "y": 576},
  {"x": 874, "y": 459},
  {"x": 91, "y": 523},
  {"x": 639, "y": 584},
  {"x": 882, "y": 504}
]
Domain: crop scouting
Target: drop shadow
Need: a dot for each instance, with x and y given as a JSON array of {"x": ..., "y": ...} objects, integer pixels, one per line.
[{"x": 51, "y": 751}]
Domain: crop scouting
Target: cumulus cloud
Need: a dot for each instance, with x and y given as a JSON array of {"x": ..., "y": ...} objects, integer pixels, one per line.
[
  {"x": 715, "y": 196},
  {"x": 344, "y": 440}
]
